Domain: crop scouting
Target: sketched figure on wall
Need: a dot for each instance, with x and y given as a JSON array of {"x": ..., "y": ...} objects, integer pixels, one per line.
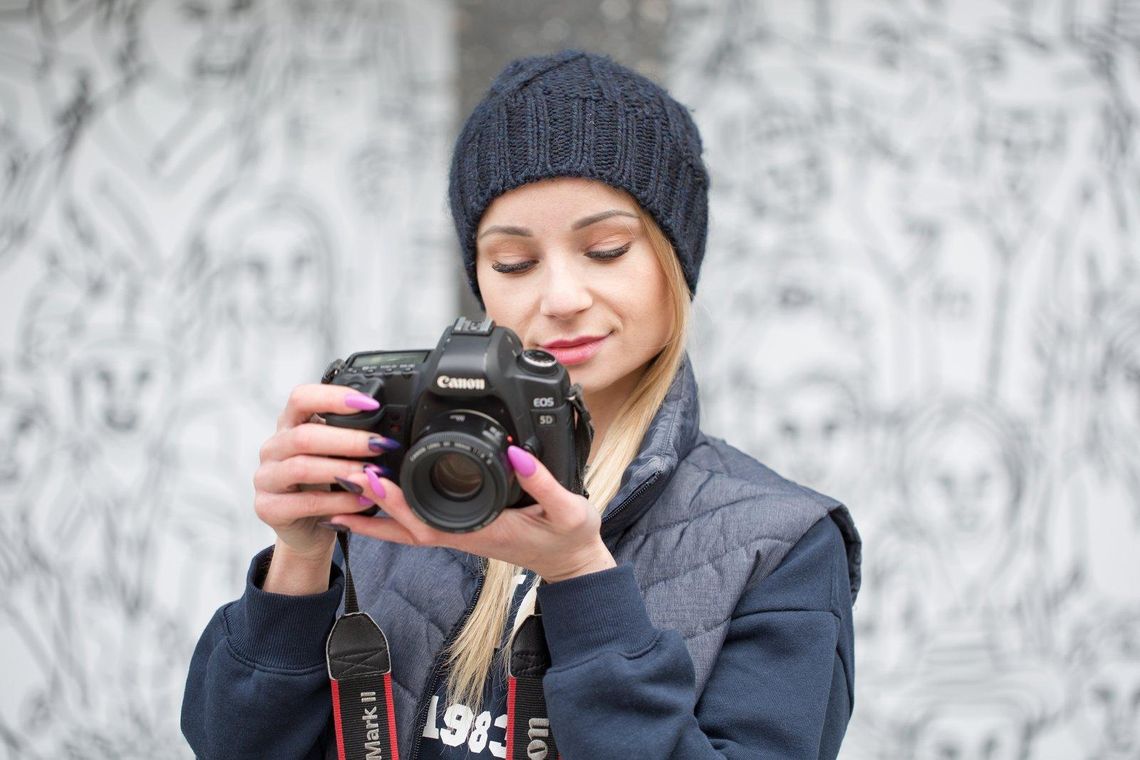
[
  {"x": 1105, "y": 672},
  {"x": 186, "y": 124},
  {"x": 261, "y": 318}
]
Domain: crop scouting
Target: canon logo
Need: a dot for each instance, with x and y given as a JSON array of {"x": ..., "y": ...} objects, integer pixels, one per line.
[{"x": 461, "y": 383}]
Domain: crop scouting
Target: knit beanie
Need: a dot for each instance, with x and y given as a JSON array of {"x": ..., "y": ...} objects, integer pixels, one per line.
[{"x": 576, "y": 114}]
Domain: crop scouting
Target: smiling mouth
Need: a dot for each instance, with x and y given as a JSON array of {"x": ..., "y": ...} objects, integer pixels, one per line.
[{"x": 571, "y": 351}]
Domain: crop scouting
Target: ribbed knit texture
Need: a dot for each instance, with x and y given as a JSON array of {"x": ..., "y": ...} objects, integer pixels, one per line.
[{"x": 576, "y": 114}]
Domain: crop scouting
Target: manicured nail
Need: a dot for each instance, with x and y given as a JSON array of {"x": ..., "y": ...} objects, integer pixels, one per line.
[
  {"x": 364, "y": 501},
  {"x": 522, "y": 460},
  {"x": 374, "y": 481},
  {"x": 348, "y": 485},
  {"x": 362, "y": 402},
  {"x": 333, "y": 526},
  {"x": 378, "y": 444}
]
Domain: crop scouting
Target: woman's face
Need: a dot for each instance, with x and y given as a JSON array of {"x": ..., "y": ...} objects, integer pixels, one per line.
[{"x": 567, "y": 264}]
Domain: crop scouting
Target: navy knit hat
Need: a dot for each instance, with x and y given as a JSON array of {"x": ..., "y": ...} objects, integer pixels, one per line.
[{"x": 576, "y": 114}]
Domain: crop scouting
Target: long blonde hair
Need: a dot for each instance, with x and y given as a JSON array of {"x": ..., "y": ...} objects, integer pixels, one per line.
[{"x": 470, "y": 656}]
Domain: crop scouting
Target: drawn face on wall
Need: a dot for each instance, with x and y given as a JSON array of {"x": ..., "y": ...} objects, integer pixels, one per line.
[
  {"x": 328, "y": 27},
  {"x": 978, "y": 732},
  {"x": 202, "y": 44},
  {"x": 24, "y": 441},
  {"x": 1110, "y": 705},
  {"x": 121, "y": 386},
  {"x": 814, "y": 427},
  {"x": 963, "y": 488},
  {"x": 277, "y": 275}
]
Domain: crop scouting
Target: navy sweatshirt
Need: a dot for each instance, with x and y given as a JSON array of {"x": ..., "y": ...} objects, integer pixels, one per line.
[{"x": 782, "y": 686}]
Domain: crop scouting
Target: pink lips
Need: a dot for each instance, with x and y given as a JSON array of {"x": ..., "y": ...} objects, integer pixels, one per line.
[{"x": 575, "y": 350}]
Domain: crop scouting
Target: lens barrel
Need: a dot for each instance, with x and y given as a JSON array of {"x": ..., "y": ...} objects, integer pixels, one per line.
[{"x": 456, "y": 476}]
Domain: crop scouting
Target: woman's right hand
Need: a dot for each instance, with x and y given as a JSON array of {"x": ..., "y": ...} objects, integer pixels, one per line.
[{"x": 306, "y": 454}]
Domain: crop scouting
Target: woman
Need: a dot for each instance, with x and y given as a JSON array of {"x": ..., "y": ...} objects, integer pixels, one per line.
[{"x": 695, "y": 605}]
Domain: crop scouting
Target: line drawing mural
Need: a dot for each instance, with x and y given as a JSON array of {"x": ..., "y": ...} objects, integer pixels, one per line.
[
  {"x": 196, "y": 200},
  {"x": 932, "y": 315}
]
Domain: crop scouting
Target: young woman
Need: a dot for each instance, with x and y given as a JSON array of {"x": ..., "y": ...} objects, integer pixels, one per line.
[{"x": 695, "y": 604}]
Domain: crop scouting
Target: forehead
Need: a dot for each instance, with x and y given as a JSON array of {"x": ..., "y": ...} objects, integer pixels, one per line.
[{"x": 557, "y": 200}]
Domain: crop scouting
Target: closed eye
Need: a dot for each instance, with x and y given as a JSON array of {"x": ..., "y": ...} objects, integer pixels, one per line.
[
  {"x": 609, "y": 255},
  {"x": 520, "y": 266}
]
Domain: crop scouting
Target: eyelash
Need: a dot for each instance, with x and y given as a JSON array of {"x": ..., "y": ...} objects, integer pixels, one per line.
[{"x": 523, "y": 266}]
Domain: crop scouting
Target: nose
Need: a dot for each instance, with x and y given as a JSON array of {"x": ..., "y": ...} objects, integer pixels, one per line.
[{"x": 565, "y": 292}]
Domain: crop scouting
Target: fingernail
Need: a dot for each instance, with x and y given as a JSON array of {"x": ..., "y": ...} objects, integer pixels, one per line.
[
  {"x": 374, "y": 481},
  {"x": 362, "y": 402},
  {"x": 348, "y": 485},
  {"x": 378, "y": 444},
  {"x": 522, "y": 460},
  {"x": 364, "y": 501},
  {"x": 333, "y": 526}
]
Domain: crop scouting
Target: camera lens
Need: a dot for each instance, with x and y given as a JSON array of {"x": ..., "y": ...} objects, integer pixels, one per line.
[{"x": 456, "y": 476}]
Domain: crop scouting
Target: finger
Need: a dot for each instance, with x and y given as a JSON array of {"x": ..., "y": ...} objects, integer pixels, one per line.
[
  {"x": 381, "y": 528},
  {"x": 303, "y": 469},
  {"x": 285, "y": 508},
  {"x": 316, "y": 438},
  {"x": 390, "y": 498},
  {"x": 537, "y": 481},
  {"x": 315, "y": 398}
]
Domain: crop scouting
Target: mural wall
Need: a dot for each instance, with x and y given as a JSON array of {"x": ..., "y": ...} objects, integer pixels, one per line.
[
  {"x": 921, "y": 297},
  {"x": 203, "y": 204}
]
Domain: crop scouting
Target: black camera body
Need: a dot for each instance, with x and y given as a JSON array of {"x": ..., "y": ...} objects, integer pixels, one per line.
[{"x": 455, "y": 409}]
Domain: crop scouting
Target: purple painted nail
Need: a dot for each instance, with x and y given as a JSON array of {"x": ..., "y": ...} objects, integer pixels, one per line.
[
  {"x": 348, "y": 485},
  {"x": 361, "y": 402},
  {"x": 379, "y": 444},
  {"x": 374, "y": 481},
  {"x": 364, "y": 501},
  {"x": 522, "y": 460}
]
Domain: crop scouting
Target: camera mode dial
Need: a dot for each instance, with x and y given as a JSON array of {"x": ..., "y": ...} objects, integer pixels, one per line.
[{"x": 537, "y": 360}]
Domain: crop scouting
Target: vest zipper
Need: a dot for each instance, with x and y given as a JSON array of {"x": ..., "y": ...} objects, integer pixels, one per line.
[
  {"x": 433, "y": 674},
  {"x": 632, "y": 497}
]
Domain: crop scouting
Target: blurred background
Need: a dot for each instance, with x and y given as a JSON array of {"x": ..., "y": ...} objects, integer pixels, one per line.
[{"x": 920, "y": 297}]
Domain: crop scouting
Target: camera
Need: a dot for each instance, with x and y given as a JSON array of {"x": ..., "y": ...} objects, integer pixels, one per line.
[{"x": 455, "y": 409}]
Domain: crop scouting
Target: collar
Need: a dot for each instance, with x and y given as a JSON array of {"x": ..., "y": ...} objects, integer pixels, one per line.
[{"x": 669, "y": 439}]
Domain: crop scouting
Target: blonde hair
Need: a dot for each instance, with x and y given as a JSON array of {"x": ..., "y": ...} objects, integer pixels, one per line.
[{"x": 471, "y": 655}]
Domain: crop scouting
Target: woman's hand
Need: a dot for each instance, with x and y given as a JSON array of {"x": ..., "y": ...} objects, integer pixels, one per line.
[
  {"x": 297, "y": 464},
  {"x": 558, "y": 537}
]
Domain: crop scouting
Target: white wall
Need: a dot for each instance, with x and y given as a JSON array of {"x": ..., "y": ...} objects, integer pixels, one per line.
[
  {"x": 203, "y": 204},
  {"x": 921, "y": 297}
]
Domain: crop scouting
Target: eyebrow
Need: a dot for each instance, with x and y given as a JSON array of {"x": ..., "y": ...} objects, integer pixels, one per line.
[{"x": 502, "y": 229}]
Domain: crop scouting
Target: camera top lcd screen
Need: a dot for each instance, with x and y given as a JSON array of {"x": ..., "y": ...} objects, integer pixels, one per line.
[{"x": 390, "y": 358}]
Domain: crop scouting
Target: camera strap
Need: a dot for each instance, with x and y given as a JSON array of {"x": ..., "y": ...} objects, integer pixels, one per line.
[
  {"x": 360, "y": 673},
  {"x": 583, "y": 438},
  {"x": 528, "y": 725}
]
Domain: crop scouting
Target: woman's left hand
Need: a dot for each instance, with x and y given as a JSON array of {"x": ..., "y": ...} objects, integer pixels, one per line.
[{"x": 558, "y": 537}]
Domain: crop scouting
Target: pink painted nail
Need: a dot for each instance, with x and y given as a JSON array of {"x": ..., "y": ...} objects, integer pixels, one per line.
[
  {"x": 522, "y": 460},
  {"x": 364, "y": 501},
  {"x": 374, "y": 481},
  {"x": 362, "y": 402}
]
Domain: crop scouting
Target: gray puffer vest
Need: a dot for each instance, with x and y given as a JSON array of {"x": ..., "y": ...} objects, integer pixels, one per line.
[{"x": 698, "y": 520}]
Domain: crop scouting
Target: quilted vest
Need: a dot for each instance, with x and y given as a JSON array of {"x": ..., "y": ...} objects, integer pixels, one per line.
[{"x": 698, "y": 520}]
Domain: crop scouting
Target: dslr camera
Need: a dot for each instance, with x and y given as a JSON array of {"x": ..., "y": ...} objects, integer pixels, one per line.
[{"x": 456, "y": 408}]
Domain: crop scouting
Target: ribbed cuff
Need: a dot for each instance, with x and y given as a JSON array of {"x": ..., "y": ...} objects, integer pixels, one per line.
[
  {"x": 279, "y": 631},
  {"x": 602, "y": 610}
]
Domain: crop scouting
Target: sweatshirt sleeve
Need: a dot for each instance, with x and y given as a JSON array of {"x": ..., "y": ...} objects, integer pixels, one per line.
[
  {"x": 258, "y": 684},
  {"x": 782, "y": 685}
]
